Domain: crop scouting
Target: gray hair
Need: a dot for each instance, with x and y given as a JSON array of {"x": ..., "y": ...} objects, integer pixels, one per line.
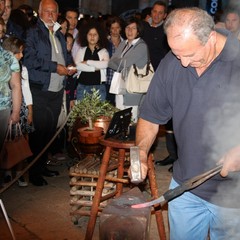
[{"x": 197, "y": 20}]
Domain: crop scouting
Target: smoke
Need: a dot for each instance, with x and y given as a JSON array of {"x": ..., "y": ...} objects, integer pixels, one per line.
[
  {"x": 234, "y": 4},
  {"x": 222, "y": 128},
  {"x": 221, "y": 133}
]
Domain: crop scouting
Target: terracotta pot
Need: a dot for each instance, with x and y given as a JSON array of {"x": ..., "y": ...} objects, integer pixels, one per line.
[
  {"x": 103, "y": 122},
  {"x": 89, "y": 136}
]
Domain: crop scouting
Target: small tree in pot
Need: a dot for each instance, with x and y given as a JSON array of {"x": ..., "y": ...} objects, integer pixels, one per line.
[{"x": 90, "y": 108}]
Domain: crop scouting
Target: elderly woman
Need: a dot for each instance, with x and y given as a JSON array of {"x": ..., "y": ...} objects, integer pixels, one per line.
[{"x": 131, "y": 51}]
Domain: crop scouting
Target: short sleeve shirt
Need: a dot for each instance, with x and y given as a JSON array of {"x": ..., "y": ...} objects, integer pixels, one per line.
[
  {"x": 8, "y": 64},
  {"x": 201, "y": 109}
]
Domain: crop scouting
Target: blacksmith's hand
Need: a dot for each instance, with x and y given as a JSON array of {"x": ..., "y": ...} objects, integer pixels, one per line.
[{"x": 230, "y": 161}]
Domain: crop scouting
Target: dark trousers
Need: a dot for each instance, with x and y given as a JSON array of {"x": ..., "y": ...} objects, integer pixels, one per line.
[
  {"x": 46, "y": 109},
  {"x": 109, "y": 96}
]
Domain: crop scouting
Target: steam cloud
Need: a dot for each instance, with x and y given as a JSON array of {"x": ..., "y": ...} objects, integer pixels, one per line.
[
  {"x": 234, "y": 3},
  {"x": 221, "y": 133}
]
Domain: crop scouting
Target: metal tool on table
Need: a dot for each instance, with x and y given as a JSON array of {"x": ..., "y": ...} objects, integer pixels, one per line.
[{"x": 188, "y": 185}]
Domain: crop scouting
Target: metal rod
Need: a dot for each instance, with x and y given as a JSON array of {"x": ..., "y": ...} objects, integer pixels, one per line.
[{"x": 7, "y": 219}]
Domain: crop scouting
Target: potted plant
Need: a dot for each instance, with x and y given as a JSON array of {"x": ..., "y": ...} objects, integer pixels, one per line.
[{"x": 88, "y": 110}]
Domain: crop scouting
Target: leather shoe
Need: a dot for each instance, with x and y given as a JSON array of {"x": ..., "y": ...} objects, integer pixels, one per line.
[
  {"x": 166, "y": 161},
  {"x": 49, "y": 173},
  {"x": 38, "y": 181}
]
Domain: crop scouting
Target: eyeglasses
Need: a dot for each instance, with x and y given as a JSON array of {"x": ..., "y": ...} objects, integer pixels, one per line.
[{"x": 131, "y": 28}]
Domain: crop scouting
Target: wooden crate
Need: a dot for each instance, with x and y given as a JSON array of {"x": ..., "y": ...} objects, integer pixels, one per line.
[{"x": 83, "y": 181}]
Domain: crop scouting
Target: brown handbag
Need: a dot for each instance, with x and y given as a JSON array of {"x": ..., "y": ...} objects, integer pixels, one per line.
[{"x": 15, "y": 149}]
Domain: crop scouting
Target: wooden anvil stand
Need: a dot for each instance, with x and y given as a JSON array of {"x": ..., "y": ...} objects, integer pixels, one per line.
[{"x": 121, "y": 147}]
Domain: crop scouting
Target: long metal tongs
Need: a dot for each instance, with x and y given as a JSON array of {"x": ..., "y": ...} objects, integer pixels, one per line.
[{"x": 188, "y": 185}]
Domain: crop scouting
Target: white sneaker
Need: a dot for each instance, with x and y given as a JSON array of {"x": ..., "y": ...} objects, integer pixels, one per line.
[
  {"x": 59, "y": 156},
  {"x": 22, "y": 182}
]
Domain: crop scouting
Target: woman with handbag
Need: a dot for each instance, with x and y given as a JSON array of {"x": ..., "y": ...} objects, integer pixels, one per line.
[
  {"x": 9, "y": 78},
  {"x": 131, "y": 51},
  {"x": 16, "y": 46},
  {"x": 92, "y": 60}
]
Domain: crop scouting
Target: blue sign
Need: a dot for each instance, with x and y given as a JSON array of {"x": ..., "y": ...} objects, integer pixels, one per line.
[{"x": 212, "y": 6}]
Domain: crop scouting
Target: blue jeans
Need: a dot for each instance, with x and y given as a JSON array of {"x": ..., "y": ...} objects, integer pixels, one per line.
[
  {"x": 191, "y": 217},
  {"x": 88, "y": 88}
]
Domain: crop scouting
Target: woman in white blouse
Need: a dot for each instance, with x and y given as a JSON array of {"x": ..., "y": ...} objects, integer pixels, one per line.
[{"x": 92, "y": 60}]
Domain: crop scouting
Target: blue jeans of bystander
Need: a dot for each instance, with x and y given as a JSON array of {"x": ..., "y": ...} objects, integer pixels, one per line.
[{"x": 81, "y": 88}]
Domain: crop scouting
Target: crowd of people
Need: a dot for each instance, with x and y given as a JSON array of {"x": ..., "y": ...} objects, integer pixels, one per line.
[
  {"x": 61, "y": 57},
  {"x": 197, "y": 71}
]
